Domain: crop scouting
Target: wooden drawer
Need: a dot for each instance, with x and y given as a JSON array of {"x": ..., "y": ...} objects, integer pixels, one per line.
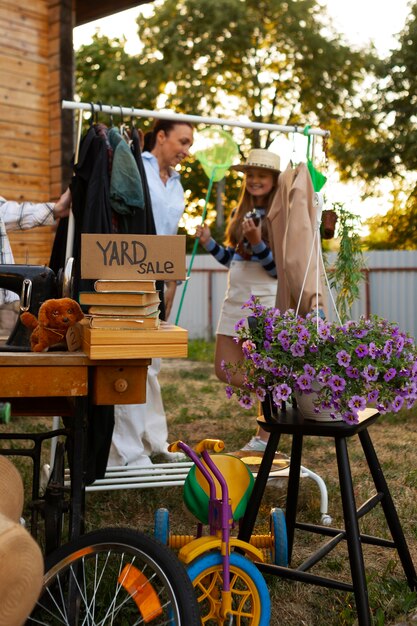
[{"x": 125, "y": 384}]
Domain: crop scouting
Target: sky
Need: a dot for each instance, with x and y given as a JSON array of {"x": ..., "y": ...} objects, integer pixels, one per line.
[{"x": 360, "y": 21}]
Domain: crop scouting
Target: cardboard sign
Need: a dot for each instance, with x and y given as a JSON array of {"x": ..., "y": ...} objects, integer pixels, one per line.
[{"x": 139, "y": 257}]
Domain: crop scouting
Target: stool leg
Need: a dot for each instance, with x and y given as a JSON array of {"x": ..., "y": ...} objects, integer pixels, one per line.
[
  {"x": 292, "y": 490},
  {"x": 357, "y": 566},
  {"x": 248, "y": 521},
  {"x": 389, "y": 509}
]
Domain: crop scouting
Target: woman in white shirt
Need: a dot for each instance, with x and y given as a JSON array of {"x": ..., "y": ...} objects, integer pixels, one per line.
[{"x": 141, "y": 429}]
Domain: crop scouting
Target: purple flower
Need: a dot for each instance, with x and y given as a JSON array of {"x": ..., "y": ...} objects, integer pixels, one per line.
[
  {"x": 362, "y": 350},
  {"x": 373, "y": 395},
  {"x": 297, "y": 349},
  {"x": 260, "y": 393},
  {"x": 229, "y": 391},
  {"x": 303, "y": 335},
  {"x": 352, "y": 372},
  {"x": 361, "y": 332},
  {"x": 283, "y": 336},
  {"x": 387, "y": 349},
  {"x": 357, "y": 403},
  {"x": 350, "y": 417},
  {"x": 343, "y": 358},
  {"x": 281, "y": 393},
  {"x": 390, "y": 374},
  {"x": 373, "y": 350},
  {"x": 246, "y": 401},
  {"x": 309, "y": 369},
  {"x": 240, "y": 324},
  {"x": 336, "y": 383},
  {"x": 257, "y": 360},
  {"x": 304, "y": 382},
  {"x": 248, "y": 347},
  {"x": 323, "y": 330},
  {"x": 397, "y": 404},
  {"x": 370, "y": 373}
]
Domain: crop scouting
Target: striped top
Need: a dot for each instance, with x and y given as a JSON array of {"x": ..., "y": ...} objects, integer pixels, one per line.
[{"x": 261, "y": 253}]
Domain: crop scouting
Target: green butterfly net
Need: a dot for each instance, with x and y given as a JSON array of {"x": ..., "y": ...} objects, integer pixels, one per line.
[{"x": 216, "y": 150}]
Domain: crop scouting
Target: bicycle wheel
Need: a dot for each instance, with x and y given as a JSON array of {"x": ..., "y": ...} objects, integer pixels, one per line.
[
  {"x": 115, "y": 576},
  {"x": 279, "y": 537},
  {"x": 251, "y": 604},
  {"x": 161, "y": 526}
]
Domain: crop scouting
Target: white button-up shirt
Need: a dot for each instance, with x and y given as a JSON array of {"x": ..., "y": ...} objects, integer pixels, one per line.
[
  {"x": 167, "y": 200},
  {"x": 19, "y": 216}
]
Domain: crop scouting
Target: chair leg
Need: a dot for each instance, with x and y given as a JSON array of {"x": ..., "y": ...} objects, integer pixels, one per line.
[
  {"x": 389, "y": 509},
  {"x": 248, "y": 521},
  {"x": 292, "y": 490},
  {"x": 357, "y": 566}
]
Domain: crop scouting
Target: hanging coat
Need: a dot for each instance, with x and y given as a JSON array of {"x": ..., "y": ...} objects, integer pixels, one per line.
[{"x": 291, "y": 224}]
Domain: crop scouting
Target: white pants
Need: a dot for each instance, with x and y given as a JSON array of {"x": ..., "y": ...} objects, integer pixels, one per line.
[{"x": 140, "y": 429}]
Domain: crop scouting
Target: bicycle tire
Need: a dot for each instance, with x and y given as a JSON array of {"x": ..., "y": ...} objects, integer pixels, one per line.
[
  {"x": 251, "y": 604},
  {"x": 86, "y": 581},
  {"x": 279, "y": 538},
  {"x": 161, "y": 526}
]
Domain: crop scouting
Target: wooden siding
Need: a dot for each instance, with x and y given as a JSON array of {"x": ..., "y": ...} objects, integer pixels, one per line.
[{"x": 36, "y": 36}]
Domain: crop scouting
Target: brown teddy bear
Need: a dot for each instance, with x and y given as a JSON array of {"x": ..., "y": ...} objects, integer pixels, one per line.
[{"x": 51, "y": 325}]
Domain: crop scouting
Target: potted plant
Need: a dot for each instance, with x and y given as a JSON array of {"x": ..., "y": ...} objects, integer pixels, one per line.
[
  {"x": 346, "y": 275},
  {"x": 343, "y": 368}
]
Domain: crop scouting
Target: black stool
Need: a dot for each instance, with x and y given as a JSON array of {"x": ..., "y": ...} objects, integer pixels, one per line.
[{"x": 291, "y": 422}]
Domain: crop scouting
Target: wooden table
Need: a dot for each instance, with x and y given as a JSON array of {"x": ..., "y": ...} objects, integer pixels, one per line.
[{"x": 64, "y": 383}]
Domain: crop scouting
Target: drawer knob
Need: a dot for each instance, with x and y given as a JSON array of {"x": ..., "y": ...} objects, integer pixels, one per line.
[{"x": 120, "y": 385}]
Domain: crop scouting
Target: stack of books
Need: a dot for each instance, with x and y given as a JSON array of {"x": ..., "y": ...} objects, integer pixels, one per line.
[
  {"x": 123, "y": 320},
  {"x": 122, "y": 304}
]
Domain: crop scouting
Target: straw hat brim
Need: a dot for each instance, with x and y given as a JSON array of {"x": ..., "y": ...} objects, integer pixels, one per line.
[{"x": 243, "y": 167}]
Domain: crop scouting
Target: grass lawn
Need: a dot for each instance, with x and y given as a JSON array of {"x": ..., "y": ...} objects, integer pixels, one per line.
[{"x": 197, "y": 407}]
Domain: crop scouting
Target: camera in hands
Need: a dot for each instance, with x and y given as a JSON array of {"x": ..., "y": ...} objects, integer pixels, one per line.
[{"x": 254, "y": 215}]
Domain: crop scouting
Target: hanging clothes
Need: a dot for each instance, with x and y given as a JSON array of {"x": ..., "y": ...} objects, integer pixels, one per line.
[
  {"x": 291, "y": 224},
  {"x": 93, "y": 213}
]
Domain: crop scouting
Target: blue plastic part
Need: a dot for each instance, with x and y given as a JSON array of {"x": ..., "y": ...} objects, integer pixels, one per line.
[
  {"x": 279, "y": 537},
  {"x": 161, "y": 526},
  {"x": 239, "y": 562}
]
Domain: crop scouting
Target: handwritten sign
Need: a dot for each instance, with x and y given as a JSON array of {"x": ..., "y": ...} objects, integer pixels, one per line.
[{"x": 140, "y": 257}]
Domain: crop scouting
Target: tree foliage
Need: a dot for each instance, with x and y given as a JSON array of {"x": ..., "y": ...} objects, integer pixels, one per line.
[
  {"x": 106, "y": 73},
  {"x": 380, "y": 135},
  {"x": 265, "y": 60},
  {"x": 270, "y": 61},
  {"x": 397, "y": 229}
]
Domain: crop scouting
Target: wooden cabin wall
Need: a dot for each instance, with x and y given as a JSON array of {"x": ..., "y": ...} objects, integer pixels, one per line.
[{"x": 36, "y": 73}]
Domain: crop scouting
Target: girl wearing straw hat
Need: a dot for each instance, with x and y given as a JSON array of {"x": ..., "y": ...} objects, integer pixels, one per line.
[{"x": 252, "y": 270}]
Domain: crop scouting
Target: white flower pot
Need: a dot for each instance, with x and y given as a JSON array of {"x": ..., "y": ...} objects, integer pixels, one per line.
[{"x": 307, "y": 408}]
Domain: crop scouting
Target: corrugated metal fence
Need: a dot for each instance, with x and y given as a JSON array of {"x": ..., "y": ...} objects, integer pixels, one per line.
[{"x": 388, "y": 290}]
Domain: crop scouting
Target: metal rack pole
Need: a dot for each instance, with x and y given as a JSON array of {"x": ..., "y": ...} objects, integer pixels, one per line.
[{"x": 192, "y": 119}]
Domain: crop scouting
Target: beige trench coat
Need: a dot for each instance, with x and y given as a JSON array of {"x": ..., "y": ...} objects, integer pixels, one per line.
[{"x": 291, "y": 222}]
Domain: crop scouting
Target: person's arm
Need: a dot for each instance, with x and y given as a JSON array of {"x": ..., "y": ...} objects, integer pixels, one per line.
[
  {"x": 221, "y": 254},
  {"x": 263, "y": 253},
  {"x": 265, "y": 258},
  {"x": 25, "y": 215}
]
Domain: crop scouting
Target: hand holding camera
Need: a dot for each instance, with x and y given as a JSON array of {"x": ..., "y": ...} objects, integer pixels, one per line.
[
  {"x": 251, "y": 227},
  {"x": 253, "y": 215}
]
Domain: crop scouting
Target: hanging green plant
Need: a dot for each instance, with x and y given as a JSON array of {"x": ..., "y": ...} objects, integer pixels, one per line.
[{"x": 347, "y": 273}]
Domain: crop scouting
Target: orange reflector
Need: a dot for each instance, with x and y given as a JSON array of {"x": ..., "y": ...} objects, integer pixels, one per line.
[{"x": 142, "y": 592}]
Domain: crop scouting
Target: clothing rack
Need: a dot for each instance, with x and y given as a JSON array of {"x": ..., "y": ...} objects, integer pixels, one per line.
[{"x": 192, "y": 119}]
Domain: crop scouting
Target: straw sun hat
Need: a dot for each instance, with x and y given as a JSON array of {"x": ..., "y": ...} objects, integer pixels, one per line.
[
  {"x": 264, "y": 159},
  {"x": 21, "y": 561}
]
